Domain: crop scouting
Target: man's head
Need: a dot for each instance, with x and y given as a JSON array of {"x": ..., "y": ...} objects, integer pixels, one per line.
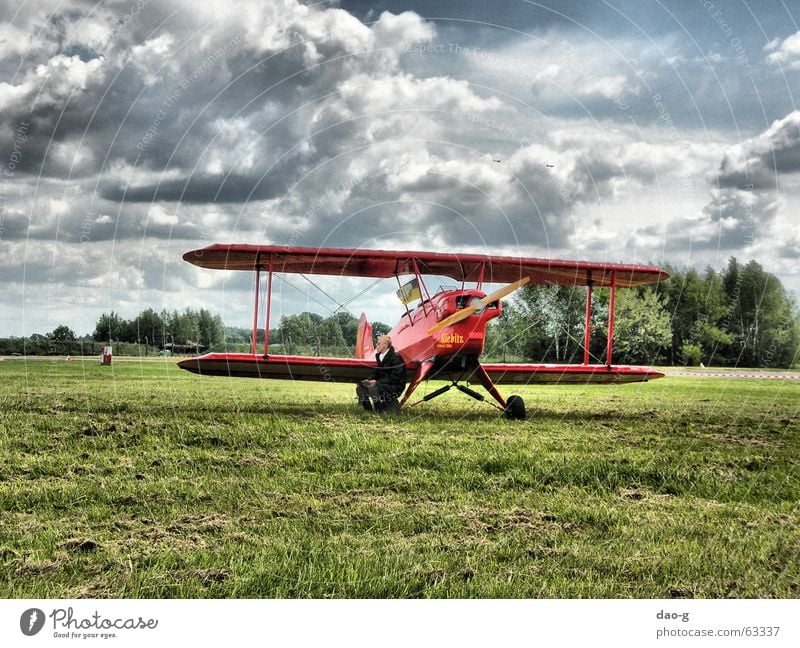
[{"x": 383, "y": 343}]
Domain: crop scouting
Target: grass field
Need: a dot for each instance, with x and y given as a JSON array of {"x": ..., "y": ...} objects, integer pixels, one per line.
[{"x": 140, "y": 480}]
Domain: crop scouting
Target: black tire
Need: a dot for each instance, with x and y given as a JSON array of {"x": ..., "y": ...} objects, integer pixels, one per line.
[{"x": 515, "y": 408}]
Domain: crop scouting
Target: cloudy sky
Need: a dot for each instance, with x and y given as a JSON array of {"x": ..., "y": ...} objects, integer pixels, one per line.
[{"x": 132, "y": 131}]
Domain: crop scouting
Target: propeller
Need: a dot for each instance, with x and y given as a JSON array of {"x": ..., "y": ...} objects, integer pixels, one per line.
[{"x": 478, "y": 304}]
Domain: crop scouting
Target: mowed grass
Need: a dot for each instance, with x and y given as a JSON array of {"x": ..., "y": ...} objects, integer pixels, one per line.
[{"x": 140, "y": 480}]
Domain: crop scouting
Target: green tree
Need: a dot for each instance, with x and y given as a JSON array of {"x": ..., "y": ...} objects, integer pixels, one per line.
[
  {"x": 210, "y": 329},
  {"x": 684, "y": 299},
  {"x": 110, "y": 326},
  {"x": 299, "y": 330},
  {"x": 149, "y": 327},
  {"x": 328, "y": 333},
  {"x": 507, "y": 337},
  {"x": 731, "y": 280},
  {"x": 692, "y": 354},
  {"x": 379, "y": 328},
  {"x": 709, "y": 331},
  {"x": 699, "y": 313},
  {"x": 641, "y": 327},
  {"x": 347, "y": 326},
  {"x": 183, "y": 328},
  {"x": 764, "y": 320},
  {"x": 540, "y": 323},
  {"x": 62, "y": 333}
]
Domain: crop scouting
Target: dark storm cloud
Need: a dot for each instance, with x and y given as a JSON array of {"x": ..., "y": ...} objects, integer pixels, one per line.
[
  {"x": 13, "y": 224},
  {"x": 202, "y": 189},
  {"x": 173, "y": 90},
  {"x": 790, "y": 250},
  {"x": 746, "y": 190},
  {"x": 757, "y": 163},
  {"x": 172, "y": 74},
  {"x": 454, "y": 197}
]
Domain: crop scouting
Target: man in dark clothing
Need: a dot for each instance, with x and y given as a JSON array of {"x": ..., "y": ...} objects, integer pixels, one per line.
[{"x": 380, "y": 391}]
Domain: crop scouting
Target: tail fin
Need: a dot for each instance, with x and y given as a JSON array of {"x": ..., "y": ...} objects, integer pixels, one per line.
[{"x": 364, "y": 346}]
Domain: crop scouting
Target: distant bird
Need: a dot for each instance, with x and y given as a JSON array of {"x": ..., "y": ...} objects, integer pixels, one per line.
[
  {"x": 493, "y": 160},
  {"x": 550, "y": 166}
]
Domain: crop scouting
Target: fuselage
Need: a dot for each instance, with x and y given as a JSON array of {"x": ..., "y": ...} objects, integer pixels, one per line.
[{"x": 411, "y": 339}]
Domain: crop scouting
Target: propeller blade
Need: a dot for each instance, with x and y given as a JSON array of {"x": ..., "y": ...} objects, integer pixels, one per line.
[
  {"x": 464, "y": 313},
  {"x": 456, "y": 317},
  {"x": 502, "y": 292}
]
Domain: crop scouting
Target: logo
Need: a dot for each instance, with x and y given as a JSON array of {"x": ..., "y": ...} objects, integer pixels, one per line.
[
  {"x": 451, "y": 338},
  {"x": 31, "y": 622}
]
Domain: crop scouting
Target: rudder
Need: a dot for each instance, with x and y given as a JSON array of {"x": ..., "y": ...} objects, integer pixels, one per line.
[{"x": 364, "y": 345}]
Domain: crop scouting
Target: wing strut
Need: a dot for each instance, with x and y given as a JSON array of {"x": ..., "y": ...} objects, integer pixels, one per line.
[
  {"x": 254, "y": 340},
  {"x": 269, "y": 308},
  {"x": 427, "y": 298},
  {"x": 587, "y": 334},
  {"x": 611, "y": 306}
]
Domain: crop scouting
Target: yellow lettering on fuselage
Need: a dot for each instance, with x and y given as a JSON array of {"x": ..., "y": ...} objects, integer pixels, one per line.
[{"x": 451, "y": 338}]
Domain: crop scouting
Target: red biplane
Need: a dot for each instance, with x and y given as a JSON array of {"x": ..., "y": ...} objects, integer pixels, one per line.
[{"x": 442, "y": 336}]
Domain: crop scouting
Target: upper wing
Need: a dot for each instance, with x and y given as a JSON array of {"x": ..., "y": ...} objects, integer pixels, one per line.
[
  {"x": 388, "y": 263},
  {"x": 245, "y": 365}
]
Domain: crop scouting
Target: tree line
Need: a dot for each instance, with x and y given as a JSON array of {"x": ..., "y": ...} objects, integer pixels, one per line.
[
  {"x": 307, "y": 334},
  {"x": 148, "y": 332},
  {"x": 741, "y": 316},
  {"x": 198, "y": 329}
]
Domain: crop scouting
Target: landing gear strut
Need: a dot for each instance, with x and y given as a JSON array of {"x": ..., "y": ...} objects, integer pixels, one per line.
[
  {"x": 514, "y": 407},
  {"x": 469, "y": 369}
]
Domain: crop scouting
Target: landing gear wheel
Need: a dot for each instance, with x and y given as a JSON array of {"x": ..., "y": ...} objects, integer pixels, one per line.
[{"x": 515, "y": 408}]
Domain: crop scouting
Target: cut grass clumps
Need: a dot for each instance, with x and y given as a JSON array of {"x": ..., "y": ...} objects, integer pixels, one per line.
[{"x": 139, "y": 480}]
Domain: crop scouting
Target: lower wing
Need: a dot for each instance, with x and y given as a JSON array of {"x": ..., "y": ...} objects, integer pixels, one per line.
[
  {"x": 287, "y": 367},
  {"x": 246, "y": 365},
  {"x": 533, "y": 374}
]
